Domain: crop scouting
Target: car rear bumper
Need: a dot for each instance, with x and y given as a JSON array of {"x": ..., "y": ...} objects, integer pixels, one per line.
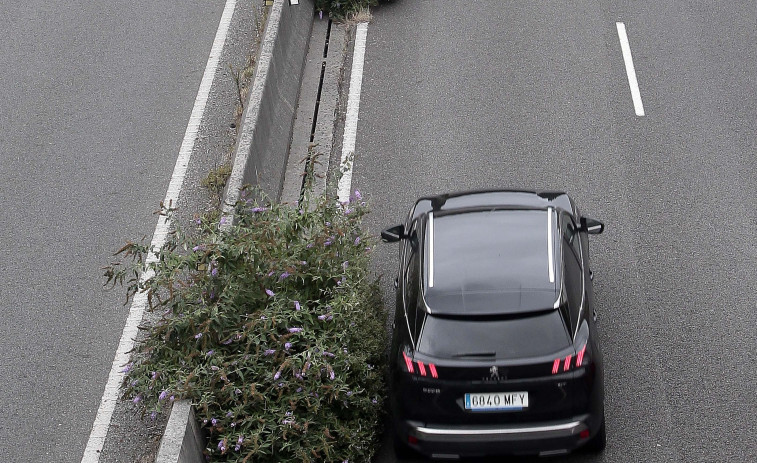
[{"x": 445, "y": 441}]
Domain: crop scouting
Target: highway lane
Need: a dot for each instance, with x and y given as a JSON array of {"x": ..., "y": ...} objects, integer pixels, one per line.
[
  {"x": 96, "y": 97},
  {"x": 535, "y": 95}
]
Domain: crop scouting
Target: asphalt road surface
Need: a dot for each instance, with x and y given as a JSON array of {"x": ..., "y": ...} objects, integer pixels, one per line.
[
  {"x": 95, "y": 100},
  {"x": 533, "y": 94}
]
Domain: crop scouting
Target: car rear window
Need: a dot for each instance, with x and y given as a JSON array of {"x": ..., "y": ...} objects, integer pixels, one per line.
[{"x": 524, "y": 336}]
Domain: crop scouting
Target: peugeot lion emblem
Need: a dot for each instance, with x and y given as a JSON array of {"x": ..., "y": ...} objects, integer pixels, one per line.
[{"x": 494, "y": 373}]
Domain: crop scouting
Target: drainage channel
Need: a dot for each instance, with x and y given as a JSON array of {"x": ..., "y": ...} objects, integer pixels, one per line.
[
  {"x": 313, "y": 131},
  {"x": 312, "y": 157}
]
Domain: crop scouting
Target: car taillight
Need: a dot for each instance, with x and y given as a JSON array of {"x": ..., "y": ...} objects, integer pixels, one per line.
[
  {"x": 421, "y": 370},
  {"x": 563, "y": 364},
  {"x": 580, "y": 356},
  {"x": 408, "y": 363}
]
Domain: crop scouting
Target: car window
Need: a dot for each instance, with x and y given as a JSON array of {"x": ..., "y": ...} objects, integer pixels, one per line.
[
  {"x": 573, "y": 276},
  {"x": 526, "y": 336},
  {"x": 570, "y": 233},
  {"x": 412, "y": 278}
]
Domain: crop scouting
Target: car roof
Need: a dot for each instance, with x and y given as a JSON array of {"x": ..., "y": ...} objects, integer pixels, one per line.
[{"x": 486, "y": 256}]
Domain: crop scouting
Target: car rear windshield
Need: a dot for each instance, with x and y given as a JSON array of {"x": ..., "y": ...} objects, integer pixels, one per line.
[{"x": 532, "y": 335}]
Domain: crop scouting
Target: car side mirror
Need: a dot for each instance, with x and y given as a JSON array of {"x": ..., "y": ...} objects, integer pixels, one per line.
[
  {"x": 592, "y": 226},
  {"x": 393, "y": 234}
]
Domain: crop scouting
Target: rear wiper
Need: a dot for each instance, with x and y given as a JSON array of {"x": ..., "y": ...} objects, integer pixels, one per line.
[{"x": 476, "y": 354}]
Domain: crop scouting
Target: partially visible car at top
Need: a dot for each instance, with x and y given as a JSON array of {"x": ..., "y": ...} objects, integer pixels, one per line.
[{"x": 494, "y": 348}]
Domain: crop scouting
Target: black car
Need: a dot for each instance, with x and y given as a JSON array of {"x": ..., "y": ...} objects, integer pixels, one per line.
[{"x": 495, "y": 349}]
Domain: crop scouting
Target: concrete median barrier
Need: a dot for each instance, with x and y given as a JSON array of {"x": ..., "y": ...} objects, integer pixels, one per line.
[
  {"x": 262, "y": 148},
  {"x": 260, "y": 159}
]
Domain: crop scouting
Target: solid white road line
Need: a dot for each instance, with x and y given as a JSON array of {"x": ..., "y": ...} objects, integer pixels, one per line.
[
  {"x": 630, "y": 70},
  {"x": 139, "y": 303},
  {"x": 353, "y": 108}
]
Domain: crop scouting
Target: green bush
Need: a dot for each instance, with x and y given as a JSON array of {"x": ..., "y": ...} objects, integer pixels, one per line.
[
  {"x": 273, "y": 329},
  {"x": 342, "y": 8}
]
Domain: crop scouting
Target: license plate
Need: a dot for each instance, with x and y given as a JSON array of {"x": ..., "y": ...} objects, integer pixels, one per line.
[{"x": 496, "y": 401}]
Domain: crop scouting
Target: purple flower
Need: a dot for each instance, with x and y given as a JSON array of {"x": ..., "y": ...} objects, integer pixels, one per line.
[
  {"x": 214, "y": 272},
  {"x": 209, "y": 353},
  {"x": 127, "y": 368},
  {"x": 199, "y": 247},
  {"x": 229, "y": 415},
  {"x": 283, "y": 275},
  {"x": 222, "y": 446},
  {"x": 299, "y": 389},
  {"x": 228, "y": 341},
  {"x": 270, "y": 274},
  {"x": 269, "y": 352},
  {"x": 137, "y": 399},
  {"x": 172, "y": 398},
  {"x": 214, "y": 421},
  {"x": 357, "y": 241},
  {"x": 281, "y": 384},
  {"x": 154, "y": 375},
  {"x": 327, "y": 242},
  {"x": 277, "y": 375},
  {"x": 240, "y": 440},
  {"x": 263, "y": 317},
  {"x": 310, "y": 245},
  {"x": 320, "y": 14},
  {"x": 288, "y": 345},
  {"x": 163, "y": 395},
  {"x": 303, "y": 262},
  {"x": 153, "y": 416},
  {"x": 259, "y": 209},
  {"x": 358, "y": 196},
  {"x": 349, "y": 393},
  {"x": 331, "y": 375},
  {"x": 237, "y": 391},
  {"x": 295, "y": 330},
  {"x": 297, "y": 305},
  {"x": 214, "y": 368},
  {"x": 322, "y": 317},
  {"x": 198, "y": 221},
  {"x": 233, "y": 424},
  {"x": 224, "y": 219},
  {"x": 374, "y": 401},
  {"x": 270, "y": 293},
  {"x": 328, "y": 354},
  {"x": 236, "y": 448}
]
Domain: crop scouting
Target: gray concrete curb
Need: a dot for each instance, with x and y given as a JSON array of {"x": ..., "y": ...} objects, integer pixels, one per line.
[
  {"x": 260, "y": 159},
  {"x": 183, "y": 440},
  {"x": 262, "y": 148}
]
